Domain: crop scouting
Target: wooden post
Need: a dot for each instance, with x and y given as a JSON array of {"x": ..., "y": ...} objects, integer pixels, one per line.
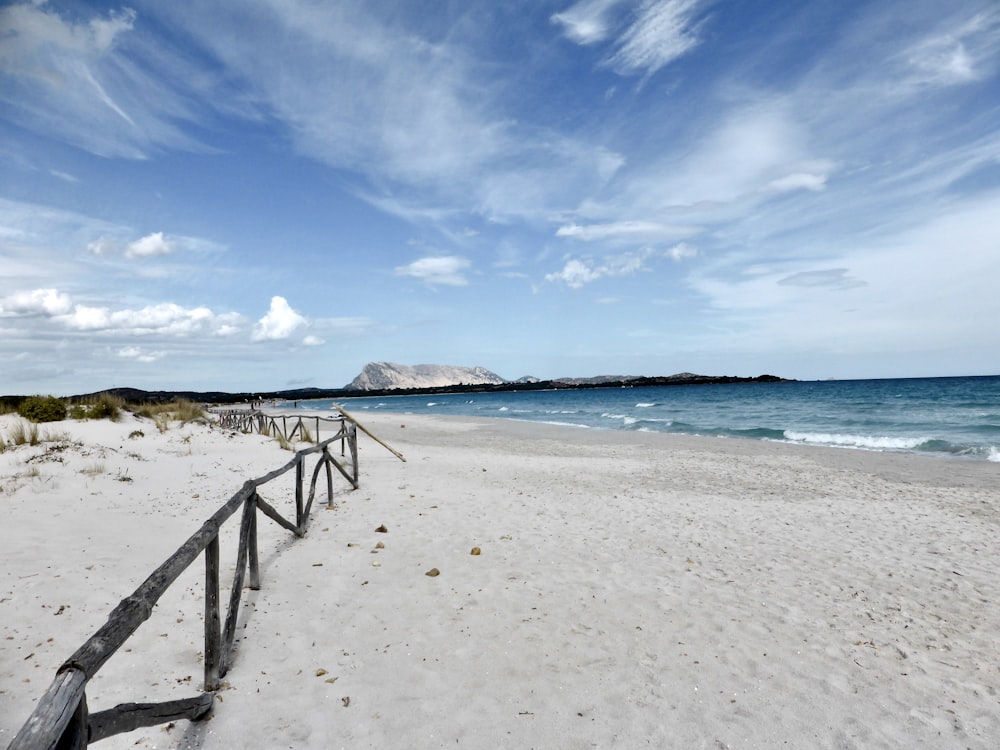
[
  {"x": 252, "y": 547},
  {"x": 213, "y": 656},
  {"x": 352, "y": 441},
  {"x": 232, "y": 614},
  {"x": 329, "y": 478},
  {"x": 299, "y": 479}
]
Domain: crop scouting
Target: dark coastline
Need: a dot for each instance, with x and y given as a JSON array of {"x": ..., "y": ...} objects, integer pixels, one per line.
[{"x": 135, "y": 395}]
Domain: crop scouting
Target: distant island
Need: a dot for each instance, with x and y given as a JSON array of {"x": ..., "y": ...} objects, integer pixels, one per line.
[{"x": 390, "y": 379}]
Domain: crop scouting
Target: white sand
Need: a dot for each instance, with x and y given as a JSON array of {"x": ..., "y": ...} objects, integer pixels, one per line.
[{"x": 633, "y": 590}]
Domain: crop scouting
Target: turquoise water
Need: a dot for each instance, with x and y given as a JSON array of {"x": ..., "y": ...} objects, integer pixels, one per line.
[{"x": 955, "y": 417}]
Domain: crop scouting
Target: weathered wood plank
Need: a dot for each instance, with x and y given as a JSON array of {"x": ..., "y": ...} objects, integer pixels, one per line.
[
  {"x": 236, "y": 593},
  {"x": 252, "y": 549},
  {"x": 132, "y": 611},
  {"x": 329, "y": 479},
  {"x": 127, "y": 717},
  {"x": 213, "y": 653},
  {"x": 374, "y": 437},
  {"x": 300, "y": 520},
  {"x": 54, "y": 713},
  {"x": 268, "y": 510}
]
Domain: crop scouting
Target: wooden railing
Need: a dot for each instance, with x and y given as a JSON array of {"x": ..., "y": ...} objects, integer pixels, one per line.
[
  {"x": 61, "y": 718},
  {"x": 289, "y": 427}
]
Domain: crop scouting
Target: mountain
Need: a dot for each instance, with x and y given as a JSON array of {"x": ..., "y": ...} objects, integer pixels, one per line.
[{"x": 377, "y": 376}]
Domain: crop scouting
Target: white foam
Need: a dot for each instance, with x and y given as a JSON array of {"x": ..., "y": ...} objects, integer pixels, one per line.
[
  {"x": 869, "y": 442},
  {"x": 994, "y": 454},
  {"x": 644, "y": 406}
]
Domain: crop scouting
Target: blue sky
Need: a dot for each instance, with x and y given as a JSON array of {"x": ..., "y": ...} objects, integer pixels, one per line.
[{"x": 269, "y": 194}]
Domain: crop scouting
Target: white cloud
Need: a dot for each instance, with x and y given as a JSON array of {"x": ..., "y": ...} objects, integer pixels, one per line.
[
  {"x": 48, "y": 302},
  {"x": 102, "y": 246},
  {"x": 161, "y": 319},
  {"x": 681, "y": 251},
  {"x": 830, "y": 278},
  {"x": 587, "y": 21},
  {"x": 798, "y": 181},
  {"x": 35, "y": 40},
  {"x": 662, "y": 31},
  {"x": 625, "y": 230},
  {"x": 90, "y": 81},
  {"x": 149, "y": 246},
  {"x": 64, "y": 176},
  {"x": 137, "y": 354},
  {"x": 313, "y": 341},
  {"x": 153, "y": 245},
  {"x": 437, "y": 271},
  {"x": 280, "y": 322},
  {"x": 575, "y": 273},
  {"x": 959, "y": 55}
]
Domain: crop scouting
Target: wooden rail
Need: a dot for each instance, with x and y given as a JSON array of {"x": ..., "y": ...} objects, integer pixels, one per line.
[
  {"x": 61, "y": 718},
  {"x": 289, "y": 427}
]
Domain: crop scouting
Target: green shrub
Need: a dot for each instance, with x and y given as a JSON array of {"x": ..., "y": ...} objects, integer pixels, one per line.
[
  {"x": 106, "y": 406},
  {"x": 42, "y": 409},
  {"x": 181, "y": 410}
]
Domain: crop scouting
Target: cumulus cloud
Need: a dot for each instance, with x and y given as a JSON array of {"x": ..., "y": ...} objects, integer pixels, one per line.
[
  {"x": 437, "y": 271},
  {"x": 164, "y": 318},
  {"x": 280, "y": 322},
  {"x": 149, "y": 246},
  {"x": 47, "y": 302}
]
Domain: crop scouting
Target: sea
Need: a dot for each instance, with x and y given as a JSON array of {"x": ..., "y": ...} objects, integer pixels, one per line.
[{"x": 955, "y": 417}]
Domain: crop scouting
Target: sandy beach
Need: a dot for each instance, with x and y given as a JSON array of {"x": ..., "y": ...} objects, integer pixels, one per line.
[{"x": 632, "y": 590}]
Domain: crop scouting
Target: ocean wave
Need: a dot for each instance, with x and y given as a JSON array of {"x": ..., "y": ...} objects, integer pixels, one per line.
[
  {"x": 868, "y": 442},
  {"x": 646, "y": 405},
  {"x": 994, "y": 454}
]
